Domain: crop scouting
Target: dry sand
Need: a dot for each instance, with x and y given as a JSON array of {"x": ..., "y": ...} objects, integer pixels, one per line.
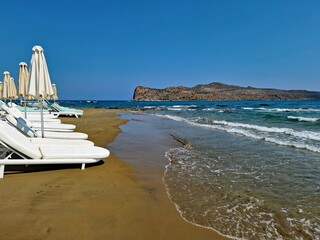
[{"x": 106, "y": 201}]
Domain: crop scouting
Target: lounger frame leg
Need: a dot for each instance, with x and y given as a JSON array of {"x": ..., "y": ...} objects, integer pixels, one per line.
[
  {"x": 83, "y": 166},
  {"x": 2, "y": 170}
]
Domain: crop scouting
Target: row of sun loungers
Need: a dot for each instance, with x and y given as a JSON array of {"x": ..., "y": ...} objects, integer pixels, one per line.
[
  {"x": 21, "y": 144},
  {"x": 53, "y": 109},
  {"x": 65, "y": 111}
]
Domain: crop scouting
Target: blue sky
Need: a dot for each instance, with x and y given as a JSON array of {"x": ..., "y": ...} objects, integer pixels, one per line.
[{"x": 104, "y": 49}]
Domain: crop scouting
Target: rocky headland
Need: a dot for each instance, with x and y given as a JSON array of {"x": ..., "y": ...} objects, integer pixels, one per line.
[{"x": 220, "y": 91}]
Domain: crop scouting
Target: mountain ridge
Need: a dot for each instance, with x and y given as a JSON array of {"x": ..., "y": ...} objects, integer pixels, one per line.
[{"x": 220, "y": 91}]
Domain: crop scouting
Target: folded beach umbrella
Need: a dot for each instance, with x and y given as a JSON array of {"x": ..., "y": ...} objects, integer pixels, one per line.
[
  {"x": 1, "y": 85},
  {"x": 39, "y": 80},
  {"x": 23, "y": 79},
  {"x": 12, "y": 89},
  {"x": 55, "y": 95},
  {"x": 5, "y": 85},
  {"x": 9, "y": 90},
  {"x": 23, "y": 84}
]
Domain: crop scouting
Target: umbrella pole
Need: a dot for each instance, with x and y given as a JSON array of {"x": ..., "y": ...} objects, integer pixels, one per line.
[
  {"x": 42, "y": 123},
  {"x": 25, "y": 108}
]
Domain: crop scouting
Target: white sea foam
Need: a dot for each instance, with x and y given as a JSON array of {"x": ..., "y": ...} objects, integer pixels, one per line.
[
  {"x": 303, "y": 119},
  {"x": 240, "y": 216},
  {"x": 301, "y": 134},
  {"x": 209, "y": 109},
  {"x": 148, "y": 107},
  {"x": 278, "y": 135},
  {"x": 174, "y": 109},
  {"x": 181, "y": 108},
  {"x": 179, "y": 119},
  {"x": 178, "y": 207},
  {"x": 249, "y": 210},
  {"x": 282, "y": 109},
  {"x": 184, "y": 106},
  {"x": 289, "y": 109}
]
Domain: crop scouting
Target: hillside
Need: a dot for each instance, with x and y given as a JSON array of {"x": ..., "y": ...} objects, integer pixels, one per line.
[{"x": 220, "y": 91}]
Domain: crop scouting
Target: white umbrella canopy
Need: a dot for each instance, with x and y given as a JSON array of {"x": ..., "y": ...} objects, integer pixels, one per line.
[
  {"x": 23, "y": 85},
  {"x": 5, "y": 86},
  {"x": 12, "y": 89},
  {"x": 39, "y": 80},
  {"x": 1, "y": 85},
  {"x": 23, "y": 80},
  {"x": 55, "y": 95}
]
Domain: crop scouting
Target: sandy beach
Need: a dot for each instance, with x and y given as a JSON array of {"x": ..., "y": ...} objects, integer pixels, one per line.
[{"x": 106, "y": 201}]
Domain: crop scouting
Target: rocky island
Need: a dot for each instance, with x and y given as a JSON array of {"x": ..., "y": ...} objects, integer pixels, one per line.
[{"x": 220, "y": 91}]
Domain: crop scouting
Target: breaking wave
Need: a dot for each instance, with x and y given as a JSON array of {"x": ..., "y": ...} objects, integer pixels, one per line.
[
  {"x": 303, "y": 119},
  {"x": 307, "y": 140}
]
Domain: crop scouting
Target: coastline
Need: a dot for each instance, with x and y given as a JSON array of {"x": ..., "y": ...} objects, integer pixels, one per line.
[
  {"x": 108, "y": 201},
  {"x": 143, "y": 142}
]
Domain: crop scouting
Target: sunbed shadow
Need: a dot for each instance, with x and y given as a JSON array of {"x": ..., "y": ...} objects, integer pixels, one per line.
[{"x": 18, "y": 169}]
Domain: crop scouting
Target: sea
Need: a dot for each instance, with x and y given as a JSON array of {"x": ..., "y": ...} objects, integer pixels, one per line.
[{"x": 248, "y": 170}]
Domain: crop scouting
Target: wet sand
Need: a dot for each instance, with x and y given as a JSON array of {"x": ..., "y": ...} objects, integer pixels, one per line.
[{"x": 107, "y": 201}]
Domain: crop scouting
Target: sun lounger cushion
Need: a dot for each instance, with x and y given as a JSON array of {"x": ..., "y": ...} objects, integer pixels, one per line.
[
  {"x": 35, "y": 118},
  {"x": 66, "y": 109},
  {"x": 14, "y": 114},
  {"x": 20, "y": 124},
  {"x": 33, "y": 110},
  {"x": 52, "y": 135},
  {"x": 60, "y": 142},
  {"x": 17, "y": 114},
  {"x": 52, "y": 125},
  {"x": 64, "y": 135},
  {"x": 36, "y": 115},
  {"x": 73, "y": 152},
  {"x": 37, "y": 125},
  {"x": 18, "y": 141}
]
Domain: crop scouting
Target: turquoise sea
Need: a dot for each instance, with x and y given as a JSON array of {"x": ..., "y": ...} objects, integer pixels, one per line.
[{"x": 251, "y": 169}]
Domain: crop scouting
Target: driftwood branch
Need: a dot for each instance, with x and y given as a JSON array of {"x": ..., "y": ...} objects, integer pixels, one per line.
[{"x": 181, "y": 140}]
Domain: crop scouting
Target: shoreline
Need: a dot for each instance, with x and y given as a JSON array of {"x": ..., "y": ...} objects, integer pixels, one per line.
[
  {"x": 150, "y": 166},
  {"x": 105, "y": 201}
]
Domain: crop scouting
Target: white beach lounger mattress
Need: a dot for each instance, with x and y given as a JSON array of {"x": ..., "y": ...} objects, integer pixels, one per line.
[
  {"x": 47, "y": 134},
  {"x": 38, "y": 129},
  {"x": 59, "y": 142},
  {"x": 31, "y": 116},
  {"x": 38, "y": 119},
  {"x": 22, "y": 144},
  {"x": 50, "y": 125},
  {"x": 45, "y": 114},
  {"x": 37, "y": 125},
  {"x": 16, "y": 113},
  {"x": 63, "y": 135},
  {"x": 73, "y": 152}
]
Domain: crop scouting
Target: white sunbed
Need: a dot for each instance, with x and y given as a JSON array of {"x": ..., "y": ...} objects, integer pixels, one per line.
[
  {"x": 31, "y": 112},
  {"x": 21, "y": 126},
  {"x": 48, "y": 126},
  {"x": 66, "y": 111},
  {"x": 36, "y": 118},
  {"x": 14, "y": 142},
  {"x": 59, "y": 142}
]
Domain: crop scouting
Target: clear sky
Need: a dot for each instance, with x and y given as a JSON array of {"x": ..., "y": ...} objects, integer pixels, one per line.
[{"x": 101, "y": 49}]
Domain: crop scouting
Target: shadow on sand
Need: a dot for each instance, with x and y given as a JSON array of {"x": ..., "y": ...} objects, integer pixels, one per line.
[{"x": 18, "y": 169}]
